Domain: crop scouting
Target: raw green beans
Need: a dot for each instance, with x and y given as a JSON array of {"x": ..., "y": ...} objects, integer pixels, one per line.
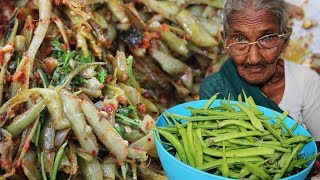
[
  {"x": 198, "y": 149},
  {"x": 209, "y": 102},
  {"x": 233, "y": 135},
  {"x": 175, "y": 142},
  {"x": 230, "y": 161},
  {"x": 254, "y": 120},
  {"x": 255, "y": 151},
  {"x": 224, "y": 168},
  {"x": 292, "y": 155},
  {"x": 183, "y": 134},
  {"x": 262, "y": 144},
  {"x": 236, "y": 122},
  {"x": 235, "y": 140},
  {"x": 86, "y": 48},
  {"x": 256, "y": 170}
]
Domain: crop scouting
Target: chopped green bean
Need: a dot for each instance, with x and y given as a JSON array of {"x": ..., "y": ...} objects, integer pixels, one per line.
[
  {"x": 23, "y": 121},
  {"x": 43, "y": 173},
  {"x": 57, "y": 161},
  {"x": 38, "y": 134},
  {"x": 43, "y": 76}
]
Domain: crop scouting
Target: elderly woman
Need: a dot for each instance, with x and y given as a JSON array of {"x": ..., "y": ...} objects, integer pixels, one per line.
[{"x": 255, "y": 36}]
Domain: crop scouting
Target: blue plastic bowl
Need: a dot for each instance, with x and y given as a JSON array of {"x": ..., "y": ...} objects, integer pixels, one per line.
[{"x": 176, "y": 169}]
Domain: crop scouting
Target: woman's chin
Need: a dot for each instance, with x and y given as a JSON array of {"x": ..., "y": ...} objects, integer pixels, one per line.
[{"x": 254, "y": 80}]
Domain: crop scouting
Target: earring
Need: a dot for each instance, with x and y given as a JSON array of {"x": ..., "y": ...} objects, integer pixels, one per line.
[{"x": 281, "y": 55}]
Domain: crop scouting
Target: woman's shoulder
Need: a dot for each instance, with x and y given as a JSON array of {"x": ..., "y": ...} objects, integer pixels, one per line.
[
  {"x": 211, "y": 82},
  {"x": 217, "y": 77},
  {"x": 213, "y": 78},
  {"x": 301, "y": 80},
  {"x": 210, "y": 85},
  {"x": 301, "y": 89},
  {"x": 300, "y": 72}
]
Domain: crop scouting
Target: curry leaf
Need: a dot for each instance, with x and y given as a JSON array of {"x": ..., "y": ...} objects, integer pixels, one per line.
[
  {"x": 59, "y": 75},
  {"x": 78, "y": 80},
  {"x": 81, "y": 58},
  {"x": 126, "y": 111},
  {"x": 101, "y": 75}
]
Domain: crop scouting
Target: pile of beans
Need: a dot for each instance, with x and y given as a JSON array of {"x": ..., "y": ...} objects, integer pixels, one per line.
[{"x": 236, "y": 140}]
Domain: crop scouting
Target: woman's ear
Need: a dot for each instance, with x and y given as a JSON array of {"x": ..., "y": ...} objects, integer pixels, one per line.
[
  {"x": 223, "y": 38},
  {"x": 224, "y": 41},
  {"x": 287, "y": 40},
  {"x": 222, "y": 35}
]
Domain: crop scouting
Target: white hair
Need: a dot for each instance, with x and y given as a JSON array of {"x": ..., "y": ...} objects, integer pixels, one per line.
[{"x": 276, "y": 7}]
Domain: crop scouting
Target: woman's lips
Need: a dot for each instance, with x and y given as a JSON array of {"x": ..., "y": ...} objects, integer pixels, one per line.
[{"x": 255, "y": 69}]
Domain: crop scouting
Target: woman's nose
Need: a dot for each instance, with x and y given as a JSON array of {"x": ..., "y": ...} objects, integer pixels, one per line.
[{"x": 254, "y": 55}]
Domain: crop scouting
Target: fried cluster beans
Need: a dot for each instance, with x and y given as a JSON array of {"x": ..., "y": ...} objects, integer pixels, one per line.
[{"x": 82, "y": 82}]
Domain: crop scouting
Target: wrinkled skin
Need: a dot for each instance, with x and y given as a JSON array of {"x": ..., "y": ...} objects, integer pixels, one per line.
[{"x": 266, "y": 68}]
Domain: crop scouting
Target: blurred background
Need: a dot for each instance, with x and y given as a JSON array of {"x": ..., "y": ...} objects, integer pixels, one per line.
[
  {"x": 163, "y": 87},
  {"x": 304, "y": 47}
]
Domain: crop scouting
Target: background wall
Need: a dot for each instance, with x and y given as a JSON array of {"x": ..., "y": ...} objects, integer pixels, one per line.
[{"x": 305, "y": 41}]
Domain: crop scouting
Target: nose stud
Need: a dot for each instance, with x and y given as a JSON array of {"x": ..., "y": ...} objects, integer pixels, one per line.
[
  {"x": 281, "y": 55},
  {"x": 248, "y": 61}
]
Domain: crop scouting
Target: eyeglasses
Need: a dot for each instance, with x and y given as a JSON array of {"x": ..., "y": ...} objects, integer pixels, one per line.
[{"x": 266, "y": 42}]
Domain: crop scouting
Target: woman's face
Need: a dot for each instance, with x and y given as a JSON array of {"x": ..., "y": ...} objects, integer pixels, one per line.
[{"x": 258, "y": 65}]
